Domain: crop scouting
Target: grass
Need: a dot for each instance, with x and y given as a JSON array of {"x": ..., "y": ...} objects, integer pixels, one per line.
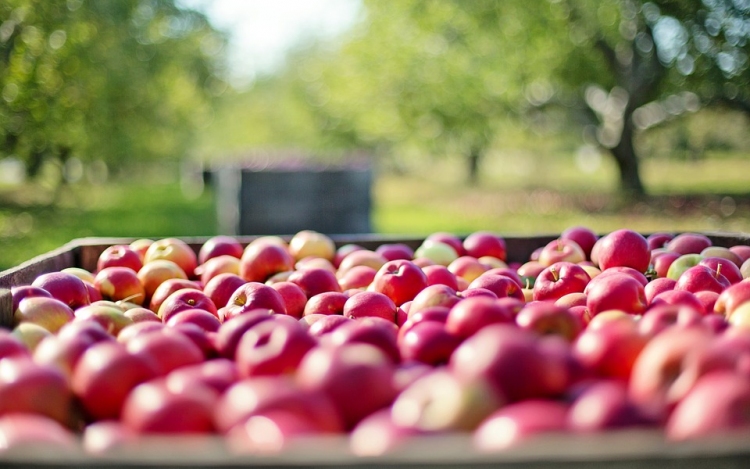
[{"x": 514, "y": 197}]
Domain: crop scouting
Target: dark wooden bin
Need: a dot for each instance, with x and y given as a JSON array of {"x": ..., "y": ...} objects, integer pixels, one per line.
[{"x": 615, "y": 449}]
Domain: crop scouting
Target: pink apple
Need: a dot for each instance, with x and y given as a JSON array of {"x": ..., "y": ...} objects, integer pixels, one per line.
[
  {"x": 219, "y": 246},
  {"x": 657, "y": 286},
  {"x": 315, "y": 280},
  {"x": 197, "y": 316},
  {"x": 515, "y": 423},
  {"x": 723, "y": 267},
  {"x": 120, "y": 255},
  {"x": 701, "y": 277},
  {"x": 605, "y": 405},
  {"x": 28, "y": 433},
  {"x": 359, "y": 276},
  {"x": 18, "y": 293},
  {"x": 561, "y": 250},
  {"x": 217, "y": 265},
  {"x": 293, "y": 296},
  {"x": 583, "y": 236},
  {"x": 689, "y": 243},
  {"x": 440, "y": 275},
  {"x": 677, "y": 297},
  {"x": 610, "y": 349},
  {"x": 166, "y": 349},
  {"x": 326, "y": 303},
  {"x": 434, "y": 295},
  {"x": 663, "y": 261},
  {"x": 106, "y": 436},
  {"x": 393, "y": 251},
  {"x": 658, "y": 240},
  {"x": 625, "y": 248},
  {"x": 511, "y": 360},
  {"x": 545, "y": 318},
  {"x": 65, "y": 287},
  {"x": 742, "y": 251},
  {"x": 501, "y": 285},
  {"x": 722, "y": 253},
  {"x": 372, "y": 331},
  {"x": 326, "y": 324},
  {"x": 467, "y": 267},
  {"x": 30, "y": 387},
  {"x": 260, "y": 261},
  {"x": 184, "y": 299},
  {"x": 660, "y": 317},
  {"x": 619, "y": 291},
  {"x": 272, "y": 347},
  {"x": 377, "y": 435},
  {"x": 344, "y": 251},
  {"x": 558, "y": 280},
  {"x": 399, "y": 280},
  {"x": 369, "y": 304},
  {"x": 485, "y": 243},
  {"x": 428, "y": 342},
  {"x": 251, "y": 296},
  {"x": 232, "y": 329}
]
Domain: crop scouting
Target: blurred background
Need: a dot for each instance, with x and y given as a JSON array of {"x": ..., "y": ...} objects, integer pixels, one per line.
[{"x": 155, "y": 118}]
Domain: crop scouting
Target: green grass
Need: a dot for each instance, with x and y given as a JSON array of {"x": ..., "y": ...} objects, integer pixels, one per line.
[{"x": 514, "y": 197}]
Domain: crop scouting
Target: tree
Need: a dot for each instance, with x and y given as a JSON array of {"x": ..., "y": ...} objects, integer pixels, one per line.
[
  {"x": 113, "y": 80},
  {"x": 441, "y": 76}
]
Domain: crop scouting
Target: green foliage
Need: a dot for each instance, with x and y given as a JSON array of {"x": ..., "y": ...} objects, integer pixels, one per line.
[{"x": 103, "y": 80}]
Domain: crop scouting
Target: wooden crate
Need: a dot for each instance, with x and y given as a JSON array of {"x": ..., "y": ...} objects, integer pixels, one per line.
[{"x": 618, "y": 449}]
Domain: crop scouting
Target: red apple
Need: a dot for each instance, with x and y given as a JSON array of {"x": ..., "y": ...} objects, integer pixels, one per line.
[
  {"x": 393, "y": 251},
  {"x": 104, "y": 376},
  {"x": 175, "y": 250},
  {"x": 28, "y": 433},
  {"x": 659, "y": 317},
  {"x": 428, "y": 342},
  {"x": 610, "y": 349},
  {"x": 120, "y": 255},
  {"x": 29, "y": 387},
  {"x": 217, "y": 265},
  {"x": 199, "y": 317},
  {"x": 658, "y": 240},
  {"x": 545, "y": 318},
  {"x": 515, "y": 423},
  {"x": 583, "y": 236},
  {"x": 742, "y": 251},
  {"x": 65, "y": 287},
  {"x": 467, "y": 267},
  {"x": 701, "y": 277},
  {"x": 184, "y": 299},
  {"x": 109, "y": 315},
  {"x": 663, "y": 261},
  {"x": 157, "y": 272},
  {"x": 732, "y": 297},
  {"x": 166, "y": 349},
  {"x": 501, "y": 285},
  {"x": 485, "y": 243},
  {"x": 472, "y": 314},
  {"x": 220, "y": 288},
  {"x": 120, "y": 283},
  {"x": 326, "y": 324},
  {"x": 440, "y": 275},
  {"x": 344, "y": 251},
  {"x": 399, "y": 280},
  {"x": 369, "y": 304},
  {"x": 722, "y": 253},
  {"x": 105, "y": 436},
  {"x": 724, "y": 267},
  {"x": 433, "y": 295},
  {"x": 657, "y": 286},
  {"x": 558, "y": 280},
  {"x": 561, "y": 250},
  {"x": 359, "y": 276},
  {"x": 294, "y": 298},
  {"x": 220, "y": 245},
  {"x": 618, "y": 291},
  {"x": 688, "y": 243},
  {"x": 260, "y": 261},
  {"x": 251, "y": 296},
  {"x": 377, "y": 434},
  {"x": 232, "y": 330},
  {"x": 604, "y": 405},
  {"x": 272, "y": 347},
  {"x": 625, "y": 248},
  {"x": 315, "y": 280},
  {"x": 370, "y": 330}
]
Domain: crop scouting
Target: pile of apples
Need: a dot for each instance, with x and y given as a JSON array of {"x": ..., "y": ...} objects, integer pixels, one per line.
[{"x": 267, "y": 344}]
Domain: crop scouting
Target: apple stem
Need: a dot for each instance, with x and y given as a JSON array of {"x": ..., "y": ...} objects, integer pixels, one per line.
[
  {"x": 554, "y": 273},
  {"x": 718, "y": 269}
]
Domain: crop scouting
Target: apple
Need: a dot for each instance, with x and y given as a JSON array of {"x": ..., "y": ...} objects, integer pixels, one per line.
[
  {"x": 657, "y": 286},
  {"x": 30, "y": 334},
  {"x": 708, "y": 300},
  {"x": 156, "y": 272},
  {"x": 657, "y": 381},
  {"x": 329, "y": 302},
  {"x": 294, "y": 298},
  {"x": 467, "y": 267},
  {"x": 688, "y": 243},
  {"x": 220, "y": 245},
  {"x": 660, "y": 317},
  {"x": 345, "y": 374},
  {"x": 723, "y": 267},
  {"x": 49, "y": 313},
  {"x": 561, "y": 250},
  {"x": 515, "y": 423},
  {"x": 434, "y": 313},
  {"x": 136, "y": 329},
  {"x": 106, "y": 436},
  {"x": 326, "y": 324},
  {"x": 529, "y": 271},
  {"x": 437, "y": 252},
  {"x": 558, "y": 280},
  {"x": 28, "y": 433},
  {"x": 251, "y": 296},
  {"x": 175, "y": 250},
  {"x": 357, "y": 277},
  {"x": 610, "y": 349},
  {"x": 511, "y": 361},
  {"x": 232, "y": 329},
  {"x": 658, "y": 240},
  {"x": 79, "y": 272},
  {"x": 377, "y": 434},
  {"x": 120, "y": 283},
  {"x": 683, "y": 263},
  {"x": 65, "y": 287},
  {"x": 440, "y": 402},
  {"x": 29, "y": 387},
  {"x": 605, "y": 405},
  {"x": 141, "y": 246},
  {"x": 571, "y": 299},
  {"x": 439, "y": 274},
  {"x": 583, "y": 236},
  {"x": 344, "y": 251},
  {"x": 155, "y": 408},
  {"x": 501, "y": 285},
  {"x": 315, "y": 280},
  {"x": 428, "y": 342},
  {"x": 433, "y": 295},
  {"x": 618, "y": 291},
  {"x": 370, "y": 304},
  {"x": 545, "y": 318},
  {"x": 268, "y": 433},
  {"x": 215, "y": 266},
  {"x": 218, "y": 374},
  {"x": 470, "y": 315},
  {"x": 485, "y": 243},
  {"x": 742, "y": 251},
  {"x": 272, "y": 347},
  {"x": 362, "y": 257},
  {"x": 701, "y": 277},
  {"x": 723, "y": 253},
  {"x": 104, "y": 376},
  {"x": 717, "y": 403},
  {"x": 400, "y": 280},
  {"x": 166, "y": 349},
  {"x": 166, "y": 288},
  {"x": 260, "y": 261},
  {"x": 108, "y": 314},
  {"x": 199, "y": 317},
  {"x": 449, "y": 239},
  {"x": 119, "y": 255},
  {"x": 625, "y": 248},
  {"x": 187, "y": 298},
  {"x": 309, "y": 243},
  {"x": 220, "y": 288},
  {"x": 11, "y": 346},
  {"x": 393, "y": 251},
  {"x": 662, "y": 261},
  {"x": 18, "y": 293}
]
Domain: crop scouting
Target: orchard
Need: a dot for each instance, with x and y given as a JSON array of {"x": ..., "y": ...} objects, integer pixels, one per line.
[{"x": 264, "y": 344}]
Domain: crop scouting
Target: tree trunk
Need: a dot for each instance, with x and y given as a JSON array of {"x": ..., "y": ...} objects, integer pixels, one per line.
[
  {"x": 475, "y": 154},
  {"x": 627, "y": 160}
]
